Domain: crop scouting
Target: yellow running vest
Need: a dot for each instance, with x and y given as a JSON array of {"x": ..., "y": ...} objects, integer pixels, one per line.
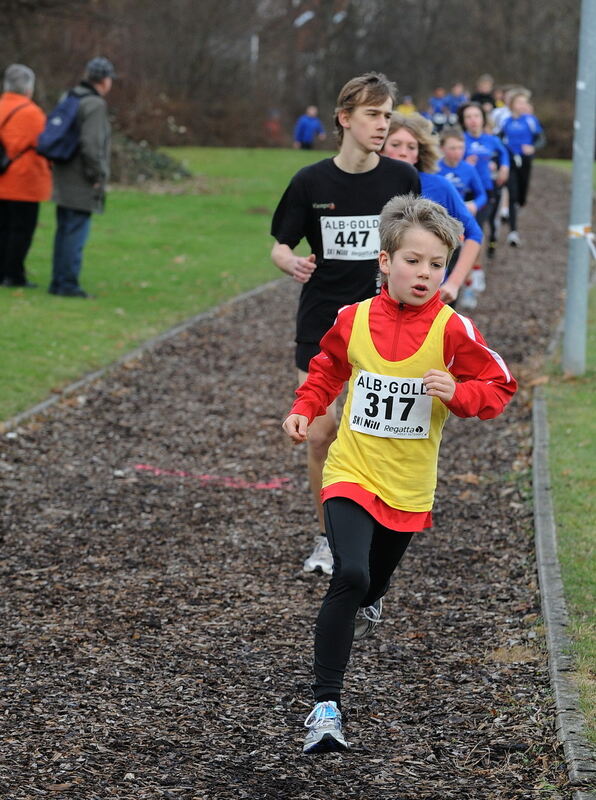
[{"x": 390, "y": 431}]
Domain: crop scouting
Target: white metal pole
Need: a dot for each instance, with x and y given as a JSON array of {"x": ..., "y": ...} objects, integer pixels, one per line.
[{"x": 580, "y": 224}]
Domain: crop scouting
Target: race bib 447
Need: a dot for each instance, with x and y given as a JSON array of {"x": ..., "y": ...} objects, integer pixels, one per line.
[
  {"x": 350, "y": 238},
  {"x": 396, "y": 408}
]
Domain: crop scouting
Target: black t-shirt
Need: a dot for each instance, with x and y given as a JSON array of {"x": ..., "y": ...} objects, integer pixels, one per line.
[
  {"x": 338, "y": 214},
  {"x": 483, "y": 98}
]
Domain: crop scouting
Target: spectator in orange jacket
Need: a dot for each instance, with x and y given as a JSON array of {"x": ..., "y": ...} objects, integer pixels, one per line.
[{"x": 28, "y": 179}]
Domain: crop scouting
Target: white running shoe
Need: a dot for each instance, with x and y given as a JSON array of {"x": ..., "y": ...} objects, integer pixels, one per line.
[
  {"x": 324, "y": 729},
  {"x": 466, "y": 299},
  {"x": 478, "y": 279},
  {"x": 321, "y": 558},
  {"x": 367, "y": 620},
  {"x": 513, "y": 239}
]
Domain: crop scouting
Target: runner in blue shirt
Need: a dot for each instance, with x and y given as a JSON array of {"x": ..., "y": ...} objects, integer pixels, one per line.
[
  {"x": 438, "y": 110},
  {"x": 437, "y": 103},
  {"x": 456, "y": 98},
  {"x": 522, "y": 133},
  {"x": 308, "y": 128},
  {"x": 411, "y": 139},
  {"x": 490, "y": 157},
  {"x": 458, "y": 172}
]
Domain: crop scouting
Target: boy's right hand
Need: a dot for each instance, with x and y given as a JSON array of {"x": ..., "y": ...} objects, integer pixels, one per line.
[
  {"x": 297, "y": 267},
  {"x": 295, "y": 426},
  {"x": 303, "y": 268}
]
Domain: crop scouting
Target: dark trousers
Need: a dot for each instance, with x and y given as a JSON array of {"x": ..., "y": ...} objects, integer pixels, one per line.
[
  {"x": 18, "y": 220},
  {"x": 488, "y": 213},
  {"x": 365, "y": 555},
  {"x": 518, "y": 185},
  {"x": 72, "y": 231}
]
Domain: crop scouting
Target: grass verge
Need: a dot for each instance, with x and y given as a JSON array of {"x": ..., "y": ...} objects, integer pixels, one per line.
[
  {"x": 154, "y": 259},
  {"x": 562, "y": 163},
  {"x": 572, "y": 452}
]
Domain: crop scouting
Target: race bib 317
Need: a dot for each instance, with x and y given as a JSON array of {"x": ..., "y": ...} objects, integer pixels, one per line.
[{"x": 396, "y": 408}]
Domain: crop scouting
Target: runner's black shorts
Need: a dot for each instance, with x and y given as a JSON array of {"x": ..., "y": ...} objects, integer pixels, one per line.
[{"x": 304, "y": 352}]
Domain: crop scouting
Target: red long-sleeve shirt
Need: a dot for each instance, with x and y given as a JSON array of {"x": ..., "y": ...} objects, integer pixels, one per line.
[{"x": 484, "y": 384}]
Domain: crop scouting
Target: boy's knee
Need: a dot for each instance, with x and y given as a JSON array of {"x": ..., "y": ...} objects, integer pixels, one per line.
[
  {"x": 320, "y": 440},
  {"x": 353, "y": 577}
]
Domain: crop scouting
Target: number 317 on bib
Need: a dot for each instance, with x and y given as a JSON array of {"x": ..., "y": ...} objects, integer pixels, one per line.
[{"x": 393, "y": 408}]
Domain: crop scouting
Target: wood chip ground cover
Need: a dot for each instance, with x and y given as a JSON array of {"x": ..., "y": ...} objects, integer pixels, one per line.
[{"x": 157, "y": 626}]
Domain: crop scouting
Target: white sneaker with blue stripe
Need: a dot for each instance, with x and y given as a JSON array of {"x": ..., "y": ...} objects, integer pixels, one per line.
[
  {"x": 324, "y": 729},
  {"x": 367, "y": 620}
]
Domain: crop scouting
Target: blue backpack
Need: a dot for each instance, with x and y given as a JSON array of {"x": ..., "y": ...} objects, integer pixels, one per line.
[{"x": 60, "y": 138}]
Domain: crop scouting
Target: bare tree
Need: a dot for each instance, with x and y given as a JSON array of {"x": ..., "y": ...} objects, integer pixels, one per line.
[{"x": 210, "y": 71}]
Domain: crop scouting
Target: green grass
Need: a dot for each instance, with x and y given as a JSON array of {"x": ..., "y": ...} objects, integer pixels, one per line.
[
  {"x": 151, "y": 261},
  {"x": 572, "y": 425},
  {"x": 562, "y": 163}
]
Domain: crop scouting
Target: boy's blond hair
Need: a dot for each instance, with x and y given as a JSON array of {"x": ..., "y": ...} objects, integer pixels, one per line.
[
  {"x": 422, "y": 130},
  {"x": 370, "y": 89},
  {"x": 518, "y": 91},
  {"x": 404, "y": 212}
]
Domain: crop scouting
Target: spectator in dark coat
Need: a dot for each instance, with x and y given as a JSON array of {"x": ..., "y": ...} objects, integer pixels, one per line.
[{"x": 80, "y": 184}]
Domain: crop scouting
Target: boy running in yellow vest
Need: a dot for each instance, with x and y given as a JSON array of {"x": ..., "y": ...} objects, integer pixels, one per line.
[{"x": 408, "y": 360}]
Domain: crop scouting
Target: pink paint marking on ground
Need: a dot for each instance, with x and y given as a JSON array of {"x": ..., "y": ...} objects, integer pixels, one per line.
[{"x": 220, "y": 480}]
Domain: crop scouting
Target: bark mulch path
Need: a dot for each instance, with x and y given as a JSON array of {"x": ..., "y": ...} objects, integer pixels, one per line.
[{"x": 157, "y": 626}]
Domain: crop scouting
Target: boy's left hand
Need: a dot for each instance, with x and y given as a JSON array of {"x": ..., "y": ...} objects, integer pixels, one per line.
[{"x": 439, "y": 384}]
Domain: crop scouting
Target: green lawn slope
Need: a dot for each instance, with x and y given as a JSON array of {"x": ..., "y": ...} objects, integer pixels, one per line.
[{"x": 156, "y": 257}]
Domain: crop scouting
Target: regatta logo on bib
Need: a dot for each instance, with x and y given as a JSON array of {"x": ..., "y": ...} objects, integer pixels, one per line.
[
  {"x": 396, "y": 408},
  {"x": 350, "y": 238}
]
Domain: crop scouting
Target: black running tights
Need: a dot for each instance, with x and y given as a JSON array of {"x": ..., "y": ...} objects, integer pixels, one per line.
[
  {"x": 365, "y": 555},
  {"x": 488, "y": 213},
  {"x": 519, "y": 183}
]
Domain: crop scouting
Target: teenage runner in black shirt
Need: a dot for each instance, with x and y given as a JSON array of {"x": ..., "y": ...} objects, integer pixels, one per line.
[{"x": 335, "y": 204}]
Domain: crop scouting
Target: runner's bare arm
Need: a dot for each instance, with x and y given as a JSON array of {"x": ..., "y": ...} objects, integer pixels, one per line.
[
  {"x": 502, "y": 175},
  {"x": 465, "y": 262},
  {"x": 297, "y": 267}
]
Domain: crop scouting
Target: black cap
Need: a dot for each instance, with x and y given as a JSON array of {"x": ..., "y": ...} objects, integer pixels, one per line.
[{"x": 99, "y": 68}]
